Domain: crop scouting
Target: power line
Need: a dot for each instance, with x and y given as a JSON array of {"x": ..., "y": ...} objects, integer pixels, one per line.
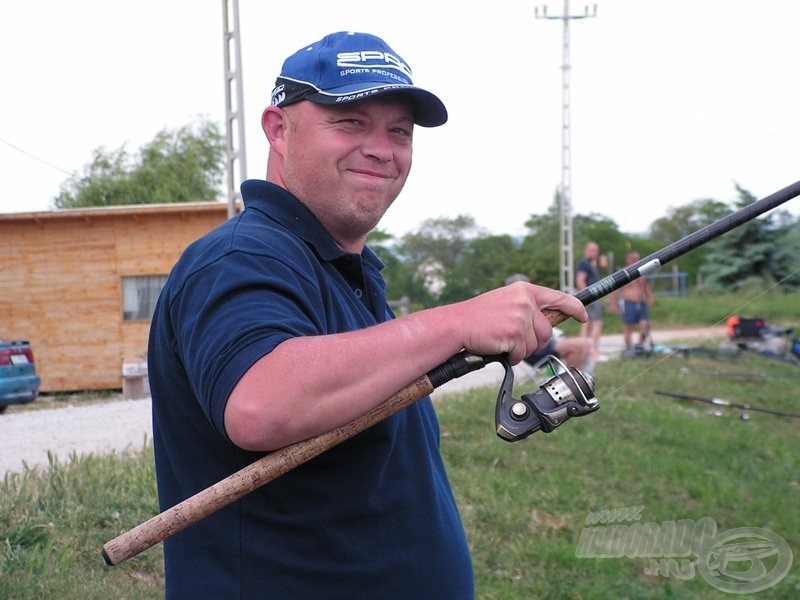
[
  {"x": 34, "y": 157},
  {"x": 566, "y": 277},
  {"x": 236, "y": 156}
]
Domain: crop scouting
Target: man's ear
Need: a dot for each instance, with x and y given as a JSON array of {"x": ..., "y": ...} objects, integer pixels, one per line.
[{"x": 274, "y": 123}]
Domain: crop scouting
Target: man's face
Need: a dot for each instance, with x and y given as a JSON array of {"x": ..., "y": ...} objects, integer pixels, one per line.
[
  {"x": 348, "y": 163},
  {"x": 592, "y": 251}
]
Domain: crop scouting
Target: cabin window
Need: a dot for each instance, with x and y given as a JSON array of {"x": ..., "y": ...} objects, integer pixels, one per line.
[{"x": 139, "y": 295}]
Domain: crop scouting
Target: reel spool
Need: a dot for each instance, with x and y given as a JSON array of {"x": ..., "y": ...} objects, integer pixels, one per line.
[{"x": 569, "y": 393}]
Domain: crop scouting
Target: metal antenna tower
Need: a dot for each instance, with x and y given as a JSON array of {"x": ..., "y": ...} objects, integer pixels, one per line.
[
  {"x": 566, "y": 275},
  {"x": 236, "y": 163}
]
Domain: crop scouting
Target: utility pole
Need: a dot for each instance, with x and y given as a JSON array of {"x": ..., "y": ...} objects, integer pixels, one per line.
[
  {"x": 566, "y": 275},
  {"x": 236, "y": 157}
]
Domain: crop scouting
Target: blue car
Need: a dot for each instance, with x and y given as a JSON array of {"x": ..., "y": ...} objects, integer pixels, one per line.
[{"x": 19, "y": 383}]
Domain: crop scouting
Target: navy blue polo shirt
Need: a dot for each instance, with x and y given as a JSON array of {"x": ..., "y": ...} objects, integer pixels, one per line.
[{"x": 371, "y": 518}]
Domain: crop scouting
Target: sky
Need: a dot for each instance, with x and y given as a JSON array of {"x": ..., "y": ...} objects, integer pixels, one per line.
[{"x": 671, "y": 102}]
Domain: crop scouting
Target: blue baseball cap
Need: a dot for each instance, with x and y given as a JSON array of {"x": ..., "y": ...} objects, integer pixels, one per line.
[{"x": 348, "y": 67}]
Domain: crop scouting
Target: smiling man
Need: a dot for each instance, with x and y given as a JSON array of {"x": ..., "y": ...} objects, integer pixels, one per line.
[{"x": 275, "y": 328}]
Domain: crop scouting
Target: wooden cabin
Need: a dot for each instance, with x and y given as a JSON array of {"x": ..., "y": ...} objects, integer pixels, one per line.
[{"x": 81, "y": 284}]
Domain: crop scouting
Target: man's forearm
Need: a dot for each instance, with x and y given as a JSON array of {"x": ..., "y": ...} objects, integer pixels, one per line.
[{"x": 309, "y": 385}]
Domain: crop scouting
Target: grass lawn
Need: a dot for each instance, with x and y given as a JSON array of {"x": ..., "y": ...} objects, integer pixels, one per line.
[{"x": 526, "y": 504}]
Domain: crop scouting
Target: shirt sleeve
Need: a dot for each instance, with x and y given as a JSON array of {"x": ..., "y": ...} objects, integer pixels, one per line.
[{"x": 234, "y": 311}]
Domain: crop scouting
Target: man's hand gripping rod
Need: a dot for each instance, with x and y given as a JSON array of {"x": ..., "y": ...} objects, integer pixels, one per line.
[{"x": 516, "y": 419}]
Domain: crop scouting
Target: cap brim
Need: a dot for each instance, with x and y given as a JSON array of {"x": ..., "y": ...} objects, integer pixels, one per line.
[{"x": 429, "y": 111}]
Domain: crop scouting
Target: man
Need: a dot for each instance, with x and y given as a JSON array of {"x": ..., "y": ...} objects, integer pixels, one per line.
[
  {"x": 586, "y": 274},
  {"x": 275, "y": 328},
  {"x": 637, "y": 299}
]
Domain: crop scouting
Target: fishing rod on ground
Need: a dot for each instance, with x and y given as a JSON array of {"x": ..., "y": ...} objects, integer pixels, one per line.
[
  {"x": 736, "y": 374},
  {"x": 723, "y": 402},
  {"x": 568, "y": 394}
]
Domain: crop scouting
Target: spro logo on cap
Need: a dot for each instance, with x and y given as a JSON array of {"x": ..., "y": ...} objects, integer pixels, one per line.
[
  {"x": 371, "y": 59},
  {"x": 278, "y": 95}
]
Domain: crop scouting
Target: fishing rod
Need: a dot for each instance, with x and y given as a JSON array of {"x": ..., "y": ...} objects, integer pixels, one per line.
[
  {"x": 722, "y": 402},
  {"x": 738, "y": 374},
  {"x": 568, "y": 394}
]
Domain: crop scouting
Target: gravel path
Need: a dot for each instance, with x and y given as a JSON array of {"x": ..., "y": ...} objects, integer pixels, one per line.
[{"x": 26, "y": 437}]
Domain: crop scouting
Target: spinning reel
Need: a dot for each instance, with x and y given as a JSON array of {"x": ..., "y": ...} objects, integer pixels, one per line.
[{"x": 569, "y": 393}]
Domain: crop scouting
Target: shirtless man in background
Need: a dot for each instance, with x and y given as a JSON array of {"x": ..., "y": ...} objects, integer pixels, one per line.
[{"x": 636, "y": 299}]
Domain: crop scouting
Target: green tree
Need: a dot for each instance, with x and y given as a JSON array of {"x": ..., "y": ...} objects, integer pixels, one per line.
[
  {"x": 398, "y": 270},
  {"x": 484, "y": 265},
  {"x": 539, "y": 248},
  {"x": 183, "y": 165},
  {"x": 684, "y": 220},
  {"x": 761, "y": 254},
  {"x": 436, "y": 249}
]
